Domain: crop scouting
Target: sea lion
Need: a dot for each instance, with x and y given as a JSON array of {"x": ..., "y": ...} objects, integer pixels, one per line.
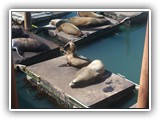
[
  {"x": 89, "y": 74},
  {"x": 97, "y": 66},
  {"x": 85, "y": 76},
  {"x": 22, "y": 45},
  {"x": 89, "y": 14},
  {"x": 72, "y": 58},
  {"x": 88, "y": 21},
  {"x": 17, "y": 32},
  {"x": 66, "y": 27}
]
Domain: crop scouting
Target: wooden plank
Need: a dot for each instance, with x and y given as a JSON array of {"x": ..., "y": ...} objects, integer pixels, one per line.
[{"x": 98, "y": 95}]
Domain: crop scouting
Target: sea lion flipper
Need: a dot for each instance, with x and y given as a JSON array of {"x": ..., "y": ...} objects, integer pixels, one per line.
[{"x": 19, "y": 52}]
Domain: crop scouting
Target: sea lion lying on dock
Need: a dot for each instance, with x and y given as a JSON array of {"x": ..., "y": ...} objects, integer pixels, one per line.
[
  {"x": 88, "y": 21},
  {"x": 22, "y": 45},
  {"x": 72, "y": 58},
  {"x": 17, "y": 32},
  {"x": 66, "y": 27},
  {"x": 89, "y": 14},
  {"x": 88, "y": 75},
  {"x": 97, "y": 66}
]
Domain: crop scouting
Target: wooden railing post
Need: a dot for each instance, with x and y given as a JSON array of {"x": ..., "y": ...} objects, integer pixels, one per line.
[
  {"x": 14, "y": 96},
  {"x": 143, "y": 93},
  {"x": 27, "y": 20}
]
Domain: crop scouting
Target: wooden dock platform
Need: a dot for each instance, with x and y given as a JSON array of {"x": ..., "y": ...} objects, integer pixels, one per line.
[
  {"x": 54, "y": 78},
  {"x": 92, "y": 33},
  {"x": 136, "y": 17},
  {"x": 18, "y": 17},
  {"x": 32, "y": 57}
]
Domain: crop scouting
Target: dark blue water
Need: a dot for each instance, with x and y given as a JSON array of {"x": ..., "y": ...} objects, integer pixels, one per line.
[
  {"x": 120, "y": 53},
  {"x": 29, "y": 97}
]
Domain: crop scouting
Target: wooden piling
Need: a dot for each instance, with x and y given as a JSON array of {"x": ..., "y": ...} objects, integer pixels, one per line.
[
  {"x": 14, "y": 96},
  {"x": 143, "y": 93},
  {"x": 27, "y": 20}
]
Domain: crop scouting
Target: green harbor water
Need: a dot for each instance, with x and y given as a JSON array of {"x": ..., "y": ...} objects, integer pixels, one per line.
[{"x": 120, "y": 52}]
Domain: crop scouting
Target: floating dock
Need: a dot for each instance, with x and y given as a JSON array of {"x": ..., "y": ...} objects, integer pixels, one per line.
[
  {"x": 18, "y": 17},
  {"x": 97, "y": 32},
  {"x": 54, "y": 78},
  {"x": 32, "y": 57},
  {"x": 92, "y": 33},
  {"x": 133, "y": 17}
]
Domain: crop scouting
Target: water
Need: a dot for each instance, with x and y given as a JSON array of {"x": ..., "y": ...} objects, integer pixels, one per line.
[
  {"x": 29, "y": 97},
  {"x": 120, "y": 53}
]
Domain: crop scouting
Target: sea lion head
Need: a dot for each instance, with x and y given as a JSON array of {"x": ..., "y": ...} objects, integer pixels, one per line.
[
  {"x": 70, "y": 47},
  {"x": 76, "y": 83},
  {"x": 73, "y": 84},
  {"x": 54, "y": 22}
]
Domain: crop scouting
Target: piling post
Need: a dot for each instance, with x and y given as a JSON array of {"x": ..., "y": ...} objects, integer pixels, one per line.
[
  {"x": 143, "y": 93},
  {"x": 27, "y": 20},
  {"x": 14, "y": 96}
]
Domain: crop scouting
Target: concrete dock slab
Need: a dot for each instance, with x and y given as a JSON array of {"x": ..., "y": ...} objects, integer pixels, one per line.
[{"x": 54, "y": 79}]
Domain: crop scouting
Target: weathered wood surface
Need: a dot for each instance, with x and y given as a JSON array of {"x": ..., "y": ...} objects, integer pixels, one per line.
[{"x": 99, "y": 95}]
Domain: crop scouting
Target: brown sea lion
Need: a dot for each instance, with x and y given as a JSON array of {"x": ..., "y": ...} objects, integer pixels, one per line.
[
  {"x": 22, "y": 45},
  {"x": 88, "y": 21},
  {"x": 89, "y": 74},
  {"x": 89, "y": 14},
  {"x": 66, "y": 27},
  {"x": 72, "y": 58}
]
